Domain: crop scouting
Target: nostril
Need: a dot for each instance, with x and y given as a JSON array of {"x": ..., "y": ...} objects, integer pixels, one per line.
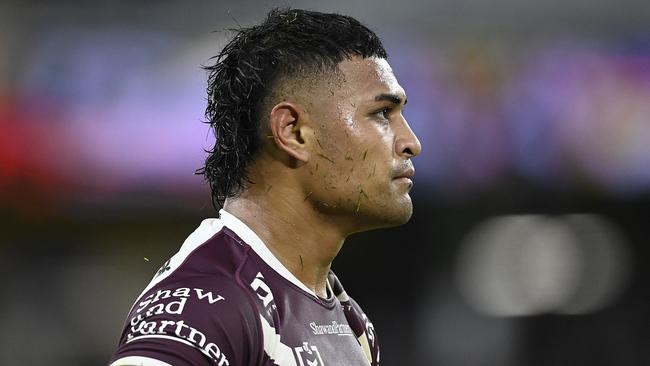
[{"x": 408, "y": 151}]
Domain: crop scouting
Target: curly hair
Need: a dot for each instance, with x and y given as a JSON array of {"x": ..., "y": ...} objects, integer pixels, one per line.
[{"x": 287, "y": 44}]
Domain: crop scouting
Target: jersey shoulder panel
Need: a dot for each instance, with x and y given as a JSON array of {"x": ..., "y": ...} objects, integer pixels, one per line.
[{"x": 199, "y": 313}]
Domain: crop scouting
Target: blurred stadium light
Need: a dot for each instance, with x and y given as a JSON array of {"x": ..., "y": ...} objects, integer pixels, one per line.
[{"x": 529, "y": 265}]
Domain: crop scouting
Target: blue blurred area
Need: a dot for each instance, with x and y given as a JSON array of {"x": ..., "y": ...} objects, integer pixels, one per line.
[
  {"x": 565, "y": 111},
  {"x": 521, "y": 107}
]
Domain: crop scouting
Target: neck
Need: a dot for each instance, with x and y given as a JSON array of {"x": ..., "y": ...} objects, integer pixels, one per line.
[{"x": 301, "y": 238}]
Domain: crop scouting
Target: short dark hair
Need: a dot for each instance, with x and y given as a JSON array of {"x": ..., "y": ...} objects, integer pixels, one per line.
[{"x": 286, "y": 44}]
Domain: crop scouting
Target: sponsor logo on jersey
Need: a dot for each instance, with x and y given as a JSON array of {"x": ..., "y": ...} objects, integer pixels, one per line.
[
  {"x": 172, "y": 302},
  {"x": 180, "y": 293},
  {"x": 178, "y": 331},
  {"x": 308, "y": 355},
  {"x": 165, "y": 267},
  {"x": 332, "y": 328}
]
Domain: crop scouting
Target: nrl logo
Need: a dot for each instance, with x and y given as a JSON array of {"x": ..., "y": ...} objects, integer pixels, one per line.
[
  {"x": 165, "y": 267},
  {"x": 308, "y": 355}
]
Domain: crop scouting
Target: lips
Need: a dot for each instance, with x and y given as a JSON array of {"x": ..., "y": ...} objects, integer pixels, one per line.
[{"x": 408, "y": 173}]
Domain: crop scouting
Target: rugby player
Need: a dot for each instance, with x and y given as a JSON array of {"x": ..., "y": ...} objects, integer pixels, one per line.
[{"x": 311, "y": 146}]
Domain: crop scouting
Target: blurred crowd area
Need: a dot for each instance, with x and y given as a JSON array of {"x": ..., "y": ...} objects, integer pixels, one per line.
[{"x": 528, "y": 245}]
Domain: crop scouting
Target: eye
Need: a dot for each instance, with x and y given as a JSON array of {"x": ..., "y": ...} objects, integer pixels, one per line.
[{"x": 383, "y": 113}]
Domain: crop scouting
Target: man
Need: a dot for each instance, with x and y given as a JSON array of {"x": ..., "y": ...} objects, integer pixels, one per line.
[{"x": 311, "y": 146}]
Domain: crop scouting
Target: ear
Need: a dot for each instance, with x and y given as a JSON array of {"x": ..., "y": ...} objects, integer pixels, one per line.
[{"x": 286, "y": 122}]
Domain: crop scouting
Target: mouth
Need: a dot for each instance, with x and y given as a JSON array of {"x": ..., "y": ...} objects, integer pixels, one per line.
[{"x": 405, "y": 175}]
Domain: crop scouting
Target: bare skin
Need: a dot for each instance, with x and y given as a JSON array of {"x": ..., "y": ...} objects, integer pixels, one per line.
[{"x": 337, "y": 161}]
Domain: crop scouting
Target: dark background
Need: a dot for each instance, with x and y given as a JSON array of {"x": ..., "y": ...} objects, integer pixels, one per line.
[{"x": 528, "y": 242}]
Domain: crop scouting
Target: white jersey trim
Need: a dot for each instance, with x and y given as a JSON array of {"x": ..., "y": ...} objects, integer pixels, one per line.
[
  {"x": 139, "y": 361},
  {"x": 251, "y": 238},
  {"x": 278, "y": 352},
  {"x": 205, "y": 231},
  {"x": 164, "y": 336}
]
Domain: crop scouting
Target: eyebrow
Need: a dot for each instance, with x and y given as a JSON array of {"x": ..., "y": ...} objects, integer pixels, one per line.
[{"x": 394, "y": 98}]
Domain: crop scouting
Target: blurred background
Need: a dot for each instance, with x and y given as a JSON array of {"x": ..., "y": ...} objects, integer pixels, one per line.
[{"x": 529, "y": 241}]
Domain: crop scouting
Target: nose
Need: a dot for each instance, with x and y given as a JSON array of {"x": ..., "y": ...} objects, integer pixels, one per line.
[{"x": 407, "y": 144}]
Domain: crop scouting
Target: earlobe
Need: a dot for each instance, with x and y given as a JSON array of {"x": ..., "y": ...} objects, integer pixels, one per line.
[{"x": 287, "y": 127}]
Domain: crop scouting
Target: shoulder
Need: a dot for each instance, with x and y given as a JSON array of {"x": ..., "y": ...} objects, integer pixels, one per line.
[
  {"x": 205, "y": 319},
  {"x": 199, "y": 297},
  {"x": 196, "y": 310}
]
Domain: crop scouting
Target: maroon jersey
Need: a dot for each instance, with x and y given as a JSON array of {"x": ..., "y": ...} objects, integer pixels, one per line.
[{"x": 224, "y": 299}]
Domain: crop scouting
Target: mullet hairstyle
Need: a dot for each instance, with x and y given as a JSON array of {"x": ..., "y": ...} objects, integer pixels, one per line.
[{"x": 289, "y": 43}]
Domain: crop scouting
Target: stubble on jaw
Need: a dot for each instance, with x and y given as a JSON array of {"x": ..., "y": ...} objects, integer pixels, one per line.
[
  {"x": 343, "y": 175},
  {"x": 342, "y": 164}
]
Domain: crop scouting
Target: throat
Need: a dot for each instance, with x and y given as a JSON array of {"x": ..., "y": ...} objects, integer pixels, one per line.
[{"x": 306, "y": 248}]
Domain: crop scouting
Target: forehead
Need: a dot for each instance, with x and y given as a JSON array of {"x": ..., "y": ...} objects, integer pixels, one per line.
[{"x": 368, "y": 77}]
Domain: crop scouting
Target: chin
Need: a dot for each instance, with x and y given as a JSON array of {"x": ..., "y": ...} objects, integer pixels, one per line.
[
  {"x": 396, "y": 214},
  {"x": 404, "y": 213}
]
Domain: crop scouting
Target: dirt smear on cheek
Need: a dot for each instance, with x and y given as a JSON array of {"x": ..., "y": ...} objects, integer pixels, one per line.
[
  {"x": 361, "y": 194},
  {"x": 323, "y": 156}
]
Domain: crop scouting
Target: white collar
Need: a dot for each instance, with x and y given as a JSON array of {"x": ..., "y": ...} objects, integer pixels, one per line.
[{"x": 254, "y": 241}]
